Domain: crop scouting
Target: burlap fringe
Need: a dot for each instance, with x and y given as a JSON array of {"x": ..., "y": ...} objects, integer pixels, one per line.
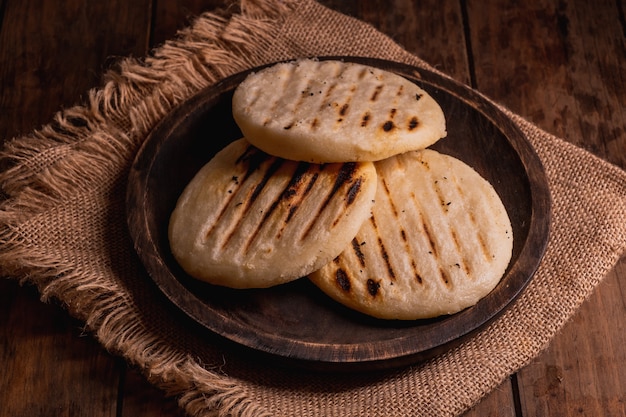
[{"x": 102, "y": 135}]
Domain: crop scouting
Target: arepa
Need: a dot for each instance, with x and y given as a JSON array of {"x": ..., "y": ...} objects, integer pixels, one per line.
[
  {"x": 335, "y": 111},
  {"x": 251, "y": 220},
  {"x": 439, "y": 240}
]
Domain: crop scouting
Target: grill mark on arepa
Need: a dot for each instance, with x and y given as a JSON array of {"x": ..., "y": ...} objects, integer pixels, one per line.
[
  {"x": 443, "y": 202},
  {"x": 305, "y": 94},
  {"x": 331, "y": 86},
  {"x": 389, "y": 124},
  {"x": 426, "y": 227},
  {"x": 345, "y": 175},
  {"x": 275, "y": 166},
  {"x": 353, "y": 191},
  {"x": 462, "y": 196},
  {"x": 290, "y": 192},
  {"x": 462, "y": 264},
  {"x": 252, "y": 100},
  {"x": 385, "y": 255},
  {"x": 403, "y": 233},
  {"x": 407, "y": 247},
  {"x": 356, "y": 247},
  {"x": 413, "y": 123},
  {"x": 343, "y": 280},
  {"x": 481, "y": 240},
  {"x": 416, "y": 273},
  {"x": 445, "y": 278},
  {"x": 376, "y": 93},
  {"x": 247, "y": 153},
  {"x": 292, "y": 210},
  {"x": 429, "y": 235},
  {"x": 434, "y": 251},
  {"x": 394, "y": 210},
  {"x": 255, "y": 160},
  {"x": 328, "y": 93},
  {"x": 251, "y": 156},
  {"x": 383, "y": 251},
  {"x": 365, "y": 119},
  {"x": 373, "y": 287},
  {"x": 275, "y": 103},
  {"x": 444, "y": 205},
  {"x": 343, "y": 110}
]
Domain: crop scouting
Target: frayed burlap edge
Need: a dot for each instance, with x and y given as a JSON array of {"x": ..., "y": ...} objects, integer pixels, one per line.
[{"x": 133, "y": 98}]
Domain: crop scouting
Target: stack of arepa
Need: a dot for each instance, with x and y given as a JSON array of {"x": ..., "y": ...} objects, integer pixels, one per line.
[{"x": 332, "y": 180}]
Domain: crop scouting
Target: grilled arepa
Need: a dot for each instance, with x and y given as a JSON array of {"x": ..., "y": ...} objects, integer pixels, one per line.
[
  {"x": 335, "y": 111},
  {"x": 250, "y": 220},
  {"x": 439, "y": 240}
]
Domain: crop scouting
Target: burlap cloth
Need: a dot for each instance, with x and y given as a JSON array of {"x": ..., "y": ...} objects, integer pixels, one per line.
[{"x": 63, "y": 228}]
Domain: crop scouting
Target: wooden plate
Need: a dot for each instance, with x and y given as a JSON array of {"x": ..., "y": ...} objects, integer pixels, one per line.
[{"x": 296, "y": 323}]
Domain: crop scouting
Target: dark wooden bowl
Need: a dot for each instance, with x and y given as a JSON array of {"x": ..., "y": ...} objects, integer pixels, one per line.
[{"x": 296, "y": 322}]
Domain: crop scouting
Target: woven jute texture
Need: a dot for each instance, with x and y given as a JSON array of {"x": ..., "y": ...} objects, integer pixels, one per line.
[{"x": 63, "y": 228}]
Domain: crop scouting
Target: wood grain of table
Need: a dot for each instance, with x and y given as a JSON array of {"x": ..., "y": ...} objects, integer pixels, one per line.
[{"x": 560, "y": 64}]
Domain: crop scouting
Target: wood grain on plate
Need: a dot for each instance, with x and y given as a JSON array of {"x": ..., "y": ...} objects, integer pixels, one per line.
[{"x": 296, "y": 322}]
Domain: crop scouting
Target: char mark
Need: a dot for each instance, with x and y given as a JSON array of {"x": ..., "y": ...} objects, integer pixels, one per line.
[
  {"x": 385, "y": 256},
  {"x": 275, "y": 166},
  {"x": 376, "y": 93},
  {"x": 394, "y": 209},
  {"x": 291, "y": 191},
  {"x": 365, "y": 119},
  {"x": 445, "y": 278},
  {"x": 346, "y": 173},
  {"x": 388, "y": 126},
  {"x": 249, "y": 153},
  {"x": 373, "y": 287},
  {"x": 342, "y": 280},
  {"x": 252, "y": 158},
  {"x": 358, "y": 252},
  {"x": 353, "y": 191},
  {"x": 481, "y": 239},
  {"x": 418, "y": 277}
]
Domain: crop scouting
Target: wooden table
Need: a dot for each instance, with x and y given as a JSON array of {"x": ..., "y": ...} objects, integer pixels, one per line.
[{"x": 561, "y": 64}]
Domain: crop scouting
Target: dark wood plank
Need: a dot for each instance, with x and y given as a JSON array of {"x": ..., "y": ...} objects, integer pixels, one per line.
[
  {"x": 583, "y": 373},
  {"x": 49, "y": 57},
  {"x": 572, "y": 83},
  {"x": 142, "y": 399},
  {"x": 48, "y": 367},
  {"x": 52, "y": 55},
  {"x": 172, "y": 16},
  {"x": 431, "y": 29},
  {"x": 499, "y": 403},
  {"x": 562, "y": 65}
]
